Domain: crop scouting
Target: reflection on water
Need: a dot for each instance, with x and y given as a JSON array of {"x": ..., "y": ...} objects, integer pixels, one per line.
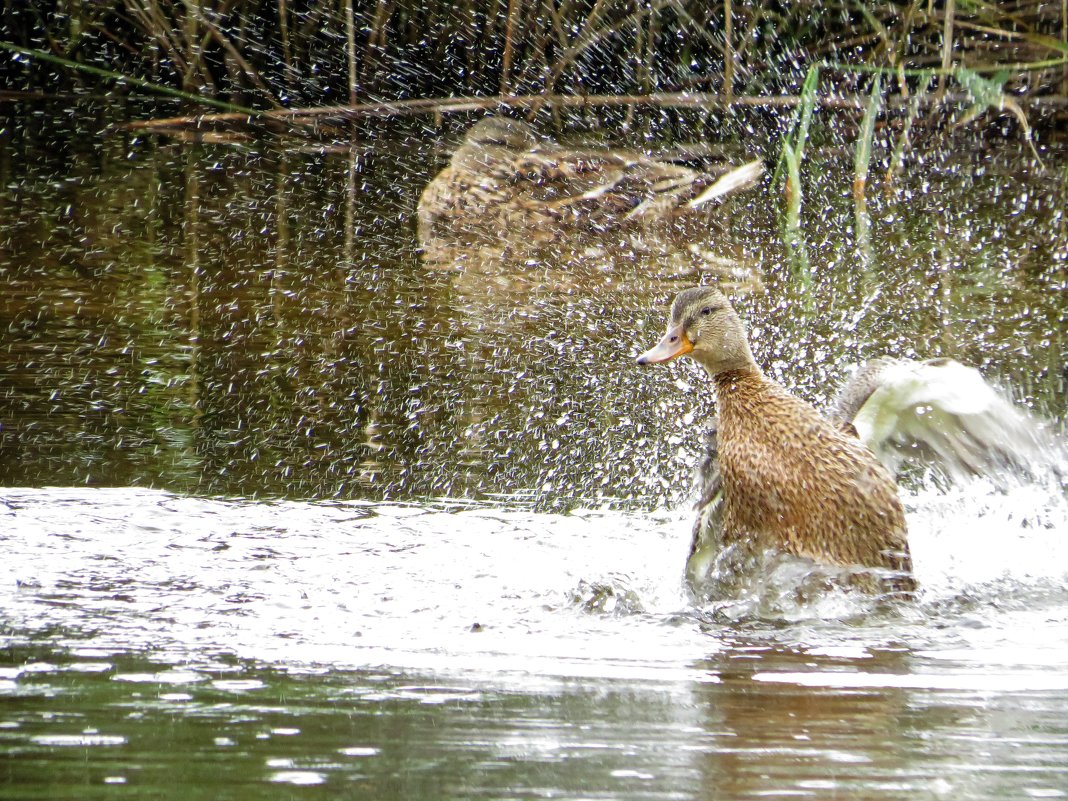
[
  {"x": 257, "y": 323},
  {"x": 510, "y": 198},
  {"x": 234, "y": 347},
  {"x": 253, "y": 732}
]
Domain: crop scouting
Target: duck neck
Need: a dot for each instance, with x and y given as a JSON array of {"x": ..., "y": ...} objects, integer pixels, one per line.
[
  {"x": 737, "y": 380},
  {"x": 728, "y": 362}
]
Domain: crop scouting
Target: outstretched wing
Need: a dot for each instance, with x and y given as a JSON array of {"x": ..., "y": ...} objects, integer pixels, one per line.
[{"x": 941, "y": 414}]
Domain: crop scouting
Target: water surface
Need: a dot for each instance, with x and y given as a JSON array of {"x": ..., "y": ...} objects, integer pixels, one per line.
[{"x": 289, "y": 512}]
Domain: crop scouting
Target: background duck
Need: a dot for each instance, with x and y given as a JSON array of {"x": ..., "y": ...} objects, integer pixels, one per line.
[
  {"x": 766, "y": 452},
  {"x": 504, "y": 180}
]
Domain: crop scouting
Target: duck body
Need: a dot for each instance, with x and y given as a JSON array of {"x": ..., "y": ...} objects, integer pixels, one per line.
[
  {"x": 780, "y": 476},
  {"x": 504, "y": 181},
  {"x": 795, "y": 482}
]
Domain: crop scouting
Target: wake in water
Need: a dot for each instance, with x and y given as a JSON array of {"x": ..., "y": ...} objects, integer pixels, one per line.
[{"x": 474, "y": 586}]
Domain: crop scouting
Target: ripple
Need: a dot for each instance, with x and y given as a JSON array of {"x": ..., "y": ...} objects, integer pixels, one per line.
[
  {"x": 238, "y": 685},
  {"x": 359, "y": 751},
  {"x": 297, "y": 777},
  {"x": 991, "y": 682},
  {"x": 163, "y": 677},
  {"x": 80, "y": 740}
]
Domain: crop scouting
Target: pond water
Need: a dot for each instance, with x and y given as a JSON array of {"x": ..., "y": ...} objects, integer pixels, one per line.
[{"x": 289, "y": 512}]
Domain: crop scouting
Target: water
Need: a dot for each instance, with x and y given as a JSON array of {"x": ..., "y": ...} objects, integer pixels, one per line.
[
  {"x": 288, "y": 512},
  {"x": 389, "y": 650}
]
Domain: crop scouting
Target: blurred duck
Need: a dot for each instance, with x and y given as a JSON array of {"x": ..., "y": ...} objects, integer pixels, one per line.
[
  {"x": 779, "y": 475},
  {"x": 503, "y": 179}
]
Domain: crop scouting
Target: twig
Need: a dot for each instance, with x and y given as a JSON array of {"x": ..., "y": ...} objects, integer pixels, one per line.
[
  {"x": 453, "y": 105},
  {"x": 286, "y": 118},
  {"x": 215, "y": 33},
  {"x": 1027, "y": 66}
]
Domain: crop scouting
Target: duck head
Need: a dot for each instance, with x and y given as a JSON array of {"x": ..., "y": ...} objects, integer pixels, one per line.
[
  {"x": 491, "y": 142},
  {"x": 501, "y": 132},
  {"x": 704, "y": 326}
]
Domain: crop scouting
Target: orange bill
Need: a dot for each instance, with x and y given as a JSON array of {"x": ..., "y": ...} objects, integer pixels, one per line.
[{"x": 673, "y": 344}]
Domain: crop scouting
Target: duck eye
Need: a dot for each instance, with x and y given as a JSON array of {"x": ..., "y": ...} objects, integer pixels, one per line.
[{"x": 707, "y": 310}]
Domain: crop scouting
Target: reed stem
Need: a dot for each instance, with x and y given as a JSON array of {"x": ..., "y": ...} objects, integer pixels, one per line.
[
  {"x": 350, "y": 44},
  {"x": 728, "y": 52},
  {"x": 862, "y": 156},
  {"x": 128, "y": 80},
  {"x": 947, "y": 45},
  {"x": 897, "y": 158}
]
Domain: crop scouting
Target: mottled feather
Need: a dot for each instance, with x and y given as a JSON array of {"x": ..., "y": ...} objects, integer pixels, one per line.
[{"x": 505, "y": 180}]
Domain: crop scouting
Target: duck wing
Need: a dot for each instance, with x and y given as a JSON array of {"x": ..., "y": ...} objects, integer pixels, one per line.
[
  {"x": 616, "y": 182},
  {"x": 941, "y": 414},
  {"x": 655, "y": 188},
  {"x": 558, "y": 177},
  {"x": 706, "y": 541},
  {"x": 731, "y": 181}
]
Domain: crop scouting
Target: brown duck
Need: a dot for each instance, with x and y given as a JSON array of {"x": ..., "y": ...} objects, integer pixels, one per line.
[
  {"x": 504, "y": 180},
  {"x": 792, "y": 480},
  {"x": 779, "y": 475}
]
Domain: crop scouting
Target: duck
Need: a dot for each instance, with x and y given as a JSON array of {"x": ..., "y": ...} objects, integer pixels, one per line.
[
  {"x": 785, "y": 478},
  {"x": 778, "y": 475},
  {"x": 503, "y": 180}
]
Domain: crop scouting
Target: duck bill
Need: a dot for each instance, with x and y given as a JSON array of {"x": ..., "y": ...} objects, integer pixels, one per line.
[{"x": 673, "y": 344}]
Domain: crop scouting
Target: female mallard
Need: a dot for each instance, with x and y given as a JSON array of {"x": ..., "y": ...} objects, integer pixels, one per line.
[
  {"x": 504, "y": 181},
  {"x": 791, "y": 480},
  {"x": 780, "y": 475}
]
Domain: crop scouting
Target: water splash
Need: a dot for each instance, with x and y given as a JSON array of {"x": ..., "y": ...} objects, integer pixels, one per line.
[{"x": 475, "y": 587}]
